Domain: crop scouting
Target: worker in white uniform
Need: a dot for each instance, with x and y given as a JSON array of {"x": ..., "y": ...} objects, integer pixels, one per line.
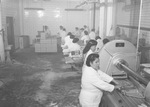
[
  {"x": 99, "y": 43},
  {"x": 59, "y": 34},
  {"x": 89, "y": 48},
  {"x": 47, "y": 32},
  {"x": 85, "y": 38},
  {"x": 77, "y": 32},
  {"x": 94, "y": 82},
  {"x": 63, "y": 35},
  {"x": 81, "y": 32},
  {"x": 60, "y": 30},
  {"x": 74, "y": 46},
  {"x": 86, "y": 28},
  {"x": 92, "y": 34},
  {"x": 68, "y": 40}
]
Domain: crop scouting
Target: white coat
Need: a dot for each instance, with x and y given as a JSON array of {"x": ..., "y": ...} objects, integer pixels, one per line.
[
  {"x": 68, "y": 41},
  {"x": 72, "y": 47},
  {"x": 92, "y": 85},
  {"x": 85, "y": 57},
  {"x": 63, "y": 35},
  {"x": 99, "y": 45},
  {"x": 92, "y": 35},
  {"x": 85, "y": 38}
]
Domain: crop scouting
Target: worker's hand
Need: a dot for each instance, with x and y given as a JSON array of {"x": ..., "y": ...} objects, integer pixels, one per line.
[{"x": 118, "y": 87}]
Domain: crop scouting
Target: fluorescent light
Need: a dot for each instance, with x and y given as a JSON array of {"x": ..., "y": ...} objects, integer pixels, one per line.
[
  {"x": 26, "y": 13},
  {"x": 40, "y": 13},
  {"x": 74, "y": 9},
  {"x": 29, "y": 8}
]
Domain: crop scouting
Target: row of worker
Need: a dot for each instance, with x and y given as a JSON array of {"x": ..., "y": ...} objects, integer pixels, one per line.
[
  {"x": 93, "y": 80},
  {"x": 72, "y": 43},
  {"x": 83, "y": 34}
]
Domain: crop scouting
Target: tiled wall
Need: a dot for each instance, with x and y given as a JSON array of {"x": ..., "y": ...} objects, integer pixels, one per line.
[
  {"x": 54, "y": 16},
  {"x": 10, "y": 8}
]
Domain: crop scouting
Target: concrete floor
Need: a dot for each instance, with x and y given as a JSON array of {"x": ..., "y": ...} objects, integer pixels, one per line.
[{"x": 38, "y": 80}]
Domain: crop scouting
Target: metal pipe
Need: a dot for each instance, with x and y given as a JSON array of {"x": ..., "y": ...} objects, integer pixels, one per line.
[
  {"x": 134, "y": 74},
  {"x": 123, "y": 65},
  {"x": 139, "y": 29}
]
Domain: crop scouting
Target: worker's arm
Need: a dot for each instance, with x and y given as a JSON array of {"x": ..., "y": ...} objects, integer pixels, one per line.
[{"x": 105, "y": 77}]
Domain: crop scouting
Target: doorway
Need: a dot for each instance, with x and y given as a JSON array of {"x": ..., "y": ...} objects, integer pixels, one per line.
[{"x": 10, "y": 32}]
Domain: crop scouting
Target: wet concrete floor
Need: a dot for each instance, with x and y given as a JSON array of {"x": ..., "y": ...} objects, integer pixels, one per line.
[{"x": 38, "y": 80}]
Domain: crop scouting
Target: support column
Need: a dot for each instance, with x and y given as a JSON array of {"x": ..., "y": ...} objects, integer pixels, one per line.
[
  {"x": 94, "y": 13},
  {"x": 21, "y": 13},
  {"x": 2, "y": 54}
]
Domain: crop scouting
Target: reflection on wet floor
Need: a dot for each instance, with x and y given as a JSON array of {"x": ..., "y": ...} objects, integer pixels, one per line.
[
  {"x": 49, "y": 79},
  {"x": 35, "y": 80}
]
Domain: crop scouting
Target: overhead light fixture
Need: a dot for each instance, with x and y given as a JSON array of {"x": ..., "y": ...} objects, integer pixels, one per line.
[
  {"x": 57, "y": 13},
  {"x": 75, "y": 9},
  {"x": 40, "y": 13},
  {"x": 26, "y": 13},
  {"x": 29, "y": 8}
]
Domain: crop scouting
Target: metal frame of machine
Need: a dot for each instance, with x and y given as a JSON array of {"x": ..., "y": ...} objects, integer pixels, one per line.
[{"x": 119, "y": 58}]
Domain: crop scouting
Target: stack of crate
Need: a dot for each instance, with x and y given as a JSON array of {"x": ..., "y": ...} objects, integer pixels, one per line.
[{"x": 49, "y": 45}]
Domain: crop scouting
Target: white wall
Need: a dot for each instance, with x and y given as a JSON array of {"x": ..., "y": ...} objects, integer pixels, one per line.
[
  {"x": 11, "y": 8},
  {"x": 30, "y": 24},
  {"x": 69, "y": 19},
  {"x": 127, "y": 14},
  {"x": 2, "y": 56},
  {"x": 123, "y": 16},
  {"x": 131, "y": 18}
]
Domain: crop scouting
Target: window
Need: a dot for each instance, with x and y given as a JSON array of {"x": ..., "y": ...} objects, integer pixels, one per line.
[
  {"x": 106, "y": 17},
  {"x": 109, "y": 20}
]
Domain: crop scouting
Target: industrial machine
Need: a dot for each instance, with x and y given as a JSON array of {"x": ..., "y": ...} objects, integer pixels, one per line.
[{"x": 119, "y": 59}]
